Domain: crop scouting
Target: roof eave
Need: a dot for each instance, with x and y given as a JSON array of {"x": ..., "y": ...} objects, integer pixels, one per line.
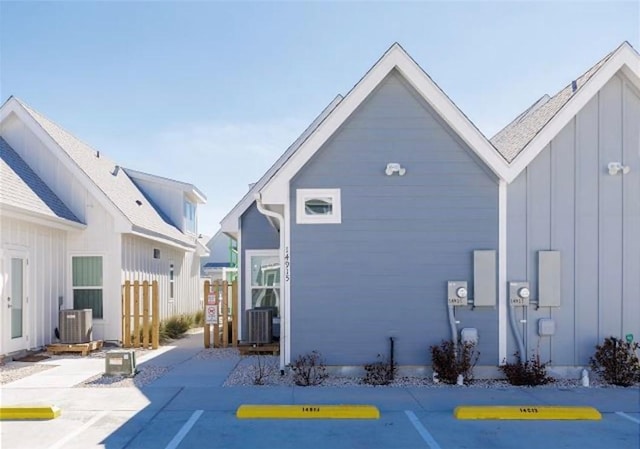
[{"x": 39, "y": 218}]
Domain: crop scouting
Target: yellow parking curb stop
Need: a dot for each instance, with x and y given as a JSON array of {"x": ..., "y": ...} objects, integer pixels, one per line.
[
  {"x": 531, "y": 412},
  {"x": 306, "y": 411},
  {"x": 29, "y": 412}
]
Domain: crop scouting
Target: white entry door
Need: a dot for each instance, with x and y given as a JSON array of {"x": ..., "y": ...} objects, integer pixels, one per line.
[{"x": 14, "y": 302}]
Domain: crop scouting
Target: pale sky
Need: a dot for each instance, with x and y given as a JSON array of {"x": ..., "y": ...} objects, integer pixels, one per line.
[{"x": 211, "y": 93}]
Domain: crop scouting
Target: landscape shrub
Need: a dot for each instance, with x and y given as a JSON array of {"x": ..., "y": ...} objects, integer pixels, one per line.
[
  {"x": 381, "y": 372},
  {"x": 450, "y": 361},
  {"x": 261, "y": 370},
  {"x": 176, "y": 326},
  {"x": 616, "y": 362},
  {"x": 198, "y": 318},
  {"x": 531, "y": 372},
  {"x": 309, "y": 369}
]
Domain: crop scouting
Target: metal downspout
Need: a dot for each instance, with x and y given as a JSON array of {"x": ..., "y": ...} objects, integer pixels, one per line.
[{"x": 283, "y": 302}]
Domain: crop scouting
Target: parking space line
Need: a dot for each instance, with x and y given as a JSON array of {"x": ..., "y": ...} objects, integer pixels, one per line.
[
  {"x": 424, "y": 433},
  {"x": 78, "y": 431},
  {"x": 184, "y": 430},
  {"x": 630, "y": 418}
]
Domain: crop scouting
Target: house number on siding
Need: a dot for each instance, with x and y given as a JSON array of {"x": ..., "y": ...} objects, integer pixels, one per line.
[{"x": 286, "y": 264}]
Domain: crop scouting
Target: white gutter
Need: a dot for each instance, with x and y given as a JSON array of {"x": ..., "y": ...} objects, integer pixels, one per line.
[{"x": 283, "y": 301}]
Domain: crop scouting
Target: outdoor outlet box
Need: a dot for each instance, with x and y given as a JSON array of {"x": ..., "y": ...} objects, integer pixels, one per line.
[
  {"x": 546, "y": 327},
  {"x": 519, "y": 293},
  {"x": 469, "y": 335},
  {"x": 120, "y": 363},
  {"x": 457, "y": 293}
]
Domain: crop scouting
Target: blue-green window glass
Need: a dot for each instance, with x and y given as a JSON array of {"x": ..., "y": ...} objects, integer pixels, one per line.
[{"x": 87, "y": 284}]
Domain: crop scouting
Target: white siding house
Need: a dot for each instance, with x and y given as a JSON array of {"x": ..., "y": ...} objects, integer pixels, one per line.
[{"x": 87, "y": 228}]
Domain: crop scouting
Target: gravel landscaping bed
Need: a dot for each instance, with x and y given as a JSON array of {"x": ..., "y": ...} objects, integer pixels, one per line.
[
  {"x": 146, "y": 374},
  {"x": 12, "y": 371},
  {"x": 246, "y": 372},
  {"x": 218, "y": 354}
]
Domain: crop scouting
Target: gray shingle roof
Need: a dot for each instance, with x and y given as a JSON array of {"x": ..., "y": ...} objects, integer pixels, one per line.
[
  {"x": 23, "y": 189},
  {"x": 114, "y": 182},
  {"x": 513, "y": 138}
]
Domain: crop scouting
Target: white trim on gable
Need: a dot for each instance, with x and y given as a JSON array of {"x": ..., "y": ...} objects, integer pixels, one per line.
[
  {"x": 12, "y": 105},
  {"x": 396, "y": 58},
  {"x": 625, "y": 59}
]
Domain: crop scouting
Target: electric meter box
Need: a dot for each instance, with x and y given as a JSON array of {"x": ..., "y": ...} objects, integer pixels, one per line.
[
  {"x": 120, "y": 363},
  {"x": 457, "y": 293},
  {"x": 519, "y": 293}
]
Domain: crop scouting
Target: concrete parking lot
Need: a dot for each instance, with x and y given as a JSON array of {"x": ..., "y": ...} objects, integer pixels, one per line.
[{"x": 188, "y": 407}]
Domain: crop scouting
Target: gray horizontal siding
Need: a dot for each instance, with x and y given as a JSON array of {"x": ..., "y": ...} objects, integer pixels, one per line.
[
  {"x": 383, "y": 271},
  {"x": 567, "y": 201}
]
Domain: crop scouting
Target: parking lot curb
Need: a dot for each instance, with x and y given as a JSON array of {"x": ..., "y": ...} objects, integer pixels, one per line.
[
  {"x": 29, "y": 412},
  {"x": 529, "y": 412},
  {"x": 307, "y": 411}
]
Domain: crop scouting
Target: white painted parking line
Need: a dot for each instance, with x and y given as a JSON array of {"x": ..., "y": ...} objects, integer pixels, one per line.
[
  {"x": 630, "y": 418},
  {"x": 424, "y": 433},
  {"x": 184, "y": 430},
  {"x": 78, "y": 431}
]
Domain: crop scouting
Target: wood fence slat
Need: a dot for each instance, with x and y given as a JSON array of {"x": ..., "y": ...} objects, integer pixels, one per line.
[
  {"x": 126, "y": 315},
  {"x": 234, "y": 310},
  {"x": 225, "y": 314},
  {"x": 155, "y": 316},
  {"x": 136, "y": 314},
  {"x": 207, "y": 327},
  {"x": 216, "y": 326},
  {"x": 145, "y": 316}
]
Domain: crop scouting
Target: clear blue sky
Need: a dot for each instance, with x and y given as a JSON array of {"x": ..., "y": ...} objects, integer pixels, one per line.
[{"x": 212, "y": 93}]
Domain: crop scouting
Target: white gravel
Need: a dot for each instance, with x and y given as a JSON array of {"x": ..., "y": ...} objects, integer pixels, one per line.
[
  {"x": 247, "y": 372},
  {"x": 146, "y": 374},
  {"x": 218, "y": 354},
  {"x": 12, "y": 371}
]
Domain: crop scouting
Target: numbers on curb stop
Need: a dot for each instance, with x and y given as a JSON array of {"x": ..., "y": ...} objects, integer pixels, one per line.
[
  {"x": 311, "y": 409},
  {"x": 528, "y": 410}
]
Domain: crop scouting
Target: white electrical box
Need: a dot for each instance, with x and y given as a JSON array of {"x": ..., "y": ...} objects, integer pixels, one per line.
[
  {"x": 546, "y": 327},
  {"x": 457, "y": 293},
  {"x": 519, "y": 293},
  {"x": 469, "y": 335}
]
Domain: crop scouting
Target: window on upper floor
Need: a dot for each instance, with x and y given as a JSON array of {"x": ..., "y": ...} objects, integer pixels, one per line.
[
  {"x": 189, "y": 217},
  {"x": 318, "y": 206}
]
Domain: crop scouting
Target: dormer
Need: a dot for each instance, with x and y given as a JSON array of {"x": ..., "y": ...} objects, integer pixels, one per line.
[{"x": 176, "y": 201}]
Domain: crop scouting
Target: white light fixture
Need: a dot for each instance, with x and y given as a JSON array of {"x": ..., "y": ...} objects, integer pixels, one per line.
[
  {"x": 617, "y": 167},
  {"x": 394, "y": 167}
]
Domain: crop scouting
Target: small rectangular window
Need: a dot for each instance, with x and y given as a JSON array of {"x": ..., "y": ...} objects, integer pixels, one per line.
[
  {"x": 86, "y": 280},
  {"x": 189, "y": 217},
  {"x": 171, "y": 283},
  {"x": 318, "y": 206}
]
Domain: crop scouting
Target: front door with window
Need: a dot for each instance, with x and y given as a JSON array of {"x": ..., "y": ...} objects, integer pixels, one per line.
[{"x": 14, "y": 302}]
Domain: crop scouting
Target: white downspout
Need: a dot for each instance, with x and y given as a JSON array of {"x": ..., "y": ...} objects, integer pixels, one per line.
[{"x": 283, "y": 302}]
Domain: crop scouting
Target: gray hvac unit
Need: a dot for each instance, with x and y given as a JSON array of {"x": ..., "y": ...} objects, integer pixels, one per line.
[
  {"x": 120, "y": 363},
  {"x": 259, "y": 323},
  {"x": 76, "y": 326}
]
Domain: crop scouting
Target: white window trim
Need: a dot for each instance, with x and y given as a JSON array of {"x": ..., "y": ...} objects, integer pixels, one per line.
[
  {"x": 69, "y": 304},
  {"x": 247, "y": 271},
  {"x": 302, "y": 195},
  {"x": 193, "y": 205},
  {"x": 172, "y": 282}
]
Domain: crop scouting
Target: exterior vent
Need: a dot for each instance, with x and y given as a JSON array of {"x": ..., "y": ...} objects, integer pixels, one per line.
[
  {"x": 120, "y": 363},
  {"x": 76, "y": 326},
  {"x": 259, "y": 323}
]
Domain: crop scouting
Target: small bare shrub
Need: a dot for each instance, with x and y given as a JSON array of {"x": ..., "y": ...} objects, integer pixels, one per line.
[
  {"x": 616, "y": 362},
  {"x": 309, "y": 369},
  {"x": 261, "y": 370},
  {"x": 381, "y": 372},
  {"x": 530, "y": 373},
  {"x": 450, "y": 361}
]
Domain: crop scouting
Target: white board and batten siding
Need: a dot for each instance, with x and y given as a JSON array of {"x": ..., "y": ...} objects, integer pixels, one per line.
[
  {"x": 45, "y": 249},
  {"x": 567, "y": 201},
  {"x": 138, "y": 264}
]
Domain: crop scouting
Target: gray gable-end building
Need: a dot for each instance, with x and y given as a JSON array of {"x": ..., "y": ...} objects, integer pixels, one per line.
[{"x": 393, "y": 200}]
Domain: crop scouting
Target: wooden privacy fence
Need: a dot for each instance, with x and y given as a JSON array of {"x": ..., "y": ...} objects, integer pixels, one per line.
[
  {"x": 140, "y": 315},
  {"x": 221, "y": 313}
]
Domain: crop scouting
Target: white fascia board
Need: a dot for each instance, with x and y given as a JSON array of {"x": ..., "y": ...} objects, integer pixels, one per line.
[
  {"x": 276, "y": 189},
  {"x": 625, "y": 60},
  {"x": 122, "y": 223},
  {"x": 194, "y": 193},
  {"x": 140, "y": 232},
  {"x": 7, "y": 210}
]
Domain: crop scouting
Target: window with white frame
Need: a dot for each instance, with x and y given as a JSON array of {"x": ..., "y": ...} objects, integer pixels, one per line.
[
  {"x": 264, "y": 285},
  {"x": 189, "y": 216},
  {"x": 171, "y": 282},
  {"x": 318, "y": 206},
  {"x": 86, "y": 281}
]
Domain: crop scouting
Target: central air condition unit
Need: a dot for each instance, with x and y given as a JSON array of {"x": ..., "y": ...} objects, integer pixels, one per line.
[
  {"x": 259, "y": 323},
  {"x": 120, "y": 363},
  {"x": 75, "y": 326}
]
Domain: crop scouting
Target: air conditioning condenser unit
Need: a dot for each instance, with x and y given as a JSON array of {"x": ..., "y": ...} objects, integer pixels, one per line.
[
  {"x": 260, "y": 324},
  {"x": 76, "y": 326}
]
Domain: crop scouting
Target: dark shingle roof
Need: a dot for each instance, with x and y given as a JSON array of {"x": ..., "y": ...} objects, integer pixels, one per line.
[
  {"x": 23, "y": 189},
  {"x": 511, "y": 140}
]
